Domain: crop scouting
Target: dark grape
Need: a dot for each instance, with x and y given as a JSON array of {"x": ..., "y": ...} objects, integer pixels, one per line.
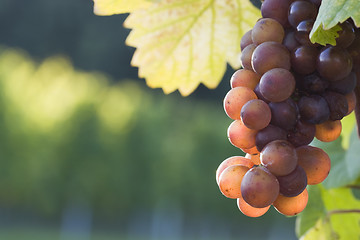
[
  {"x": 269, "y": 134},
  {"x": 337, "y": 104},
  {"x": 294, "y": 183},
  {"x": 269, "y": 55},
  {"x": 246, "y": 40},
  {"x": 246, "y": 55},
  {"x": 290, "y": 41},
  {"x": 334, "y": 63},
  {"x": 345, "y": 85},
  {"x": 272, "y": 79},
  {"x": 284, "y": 114},
  {"x": 302, "y": 33},
  {"x": 300, "y": 11},
  {"x": 279, "y": 157},
  {"x": 276, "y": 9},
  {"x": 346, "y": 35},
  {"x": 314, "y": 109},
  {"x": 354, "y": 51},
  {"x": 259, "y": 95},
  {"x": 302, "y": 134},
  {"x": 256, "y": 114},
  {"x": 259, "y": 188},
  {"x": 267, "y": 30},
  {"x": 312, "y": 83},
  {"x": 303, "y": 59}
]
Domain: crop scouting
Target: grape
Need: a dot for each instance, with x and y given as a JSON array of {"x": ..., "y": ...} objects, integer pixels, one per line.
[
  {"x": 315, "y": 162},
  {"x": 255, "y": 158},
  {"x": 240, "y": 136},
  {"x": 256, "y": 114},
  {"x": 316, "y": 2},
  {"x": 312, "y": 83},
  {"x": 259, "y": 187},
  {"x": 230, "y": 180},
  {"x": 246, "y": 40},
  {"x": 235, "y": 160},
  {"x": 250, "y": 211},
  {"x": 328, "y": 131},
  {"x": 345, "y": 85},
  {"x": 313, "y": 109},
  {"x": 269, "y": 55},
  {"x": 300, "y": 11},
  {"x": 267, "y": 30},
  {"x": 284, "y": 114},
  {"x": 269, "y": 134},
  {"x": 294, "y": 183},
  {"x": 303, "y": 59},
  {"x": 346, "y": 35},
  {"x": 303, "y": 30},
  {"x": 259, "y": 95},
  {"x": 270, "y": 82},
  {"x": 337, "y": 104},
  {"x": 252, "y": 150},
  {"x": 290, "y": 41},
  {"x": 276, "y": 9},
  {"x": 334, "y": 63},
  {"x": 245, "y": 78},
  {"x": 354, "y": 51},
  {"x": 246, "y": 55},
  {"x": 291, "y": 206},
  {"x": 235, "y": 99},
  {"x": 279, "y": 157},
  {"x": 302, "y": 134},
  {"x": 351, "y": 100}
]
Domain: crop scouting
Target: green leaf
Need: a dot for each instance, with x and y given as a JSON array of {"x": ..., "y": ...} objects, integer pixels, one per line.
[
  {"x": 110, "y": 7},
  {"x": 314, "y": 210},
  {"x": 320, "y": 231},
  {"x": 331, "y": 13},
  {"x": 182, "y": 43},
  {"x": 335, "y": 217},
  {"x": 345, "y": 167}
]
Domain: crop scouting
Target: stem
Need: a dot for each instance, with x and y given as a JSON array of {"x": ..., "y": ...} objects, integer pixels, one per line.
[
  {"x": 329, "y": 213},
  {"x": 353, "y": 186}
]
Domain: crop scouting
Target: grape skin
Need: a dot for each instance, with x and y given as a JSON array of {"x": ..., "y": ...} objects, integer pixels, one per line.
[
  {"x": 250, "y": 211},
  {"x": 256, "y": 114},
  {"x": 235, "y": 99},
  {"x": 328, "y": 131},
  {"x": 315, "y": 162},
  {"x": 273, "y": 78},
  {"x": 240, "y": 136},
  {"x": 279, "y": 157},
  {"x": 291, "y": 206},
  {"x": 230, "y": 181},
  {"x": 259, "y": 187},
  {"x": 267, "y": 30},
  {"x": 234, "y": 160},
  {"x": 269, "y": 55},
  {"x": 245, "y": 78}
]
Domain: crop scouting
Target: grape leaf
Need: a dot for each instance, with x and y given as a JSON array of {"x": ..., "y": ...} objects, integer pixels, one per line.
[
  {"x": 331, "y": 13},
  {"x": 314, "y": 210},
  {"x": 335, "y": 217},
  {"x": 110, "y": 7},
  {"x": 345, "y": 167},
  {"x": 182, "y": 43}
]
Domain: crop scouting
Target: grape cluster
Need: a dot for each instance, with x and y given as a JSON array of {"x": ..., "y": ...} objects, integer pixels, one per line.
[{"x": 289, "y": 91}]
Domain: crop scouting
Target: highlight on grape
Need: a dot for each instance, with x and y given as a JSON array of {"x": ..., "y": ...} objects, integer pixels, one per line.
[{"x": 288, "y": 92}]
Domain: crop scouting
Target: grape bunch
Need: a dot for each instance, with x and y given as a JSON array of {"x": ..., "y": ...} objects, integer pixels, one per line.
[{"x": 288, "y": 92}]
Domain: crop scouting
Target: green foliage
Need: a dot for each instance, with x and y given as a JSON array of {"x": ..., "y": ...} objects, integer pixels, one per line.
[
  {"x": 182, "y": 43},
  {"x": 331, "y": 13},
  {"x": 331, "y": 214}
]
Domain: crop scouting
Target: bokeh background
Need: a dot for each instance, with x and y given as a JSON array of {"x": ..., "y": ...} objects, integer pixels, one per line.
[{"x": 88, "y": 151}]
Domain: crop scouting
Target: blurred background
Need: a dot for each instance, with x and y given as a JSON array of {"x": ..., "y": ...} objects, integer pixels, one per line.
[{"x": 88, "y": 151}]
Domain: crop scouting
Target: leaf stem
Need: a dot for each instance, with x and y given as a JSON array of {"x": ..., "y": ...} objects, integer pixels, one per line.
[{"x": 332, "y": 212}]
